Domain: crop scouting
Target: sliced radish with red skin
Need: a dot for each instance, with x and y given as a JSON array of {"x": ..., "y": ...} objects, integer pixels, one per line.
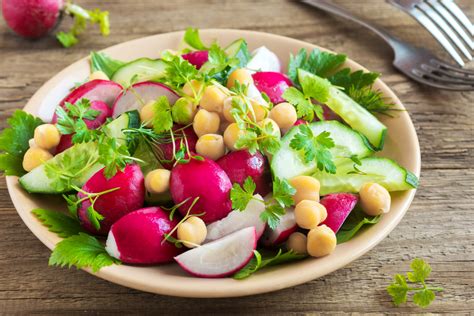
[
  {"x": 32, "y": 18},
  {"x": 138, "y": 237},
  {"x": 197, "y": 58},
  {"x": 142, "y": 92},
  {"x": 222, "y": 257},
  {"x": 287, "y": 226},
  {"x": 95, "y": 90},
  {"x": 105, "y": 112},
  {"x": 242, "y": 164},
  {"x": 206, "y": 180},
  {"x": 338, "y": 206},
  {"x": 273, "y": 84},
  {"x": 113, "y": 205},
  {"x": 237, "y": 220}
]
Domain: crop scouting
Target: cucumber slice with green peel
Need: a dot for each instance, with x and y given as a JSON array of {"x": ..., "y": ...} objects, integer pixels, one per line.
[
  {"x": 288, "y": 163},
  {"x": 239, "y": 50},
  {"x": 84, "y": 155},
  {"x": 144, "y": 69},
  {"x": 383, "y": 171},
  {"x": 353, "y": 114}
]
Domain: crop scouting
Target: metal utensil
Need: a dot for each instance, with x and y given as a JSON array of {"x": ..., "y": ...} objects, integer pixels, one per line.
[
  {"x": 417, "y": 63},
  {"x": 445, "y": 21}
]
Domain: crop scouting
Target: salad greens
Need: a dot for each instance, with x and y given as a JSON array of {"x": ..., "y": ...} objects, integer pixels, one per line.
[
  {"x": 102, "y": 62},
  {"x": 356, "y": 220}
]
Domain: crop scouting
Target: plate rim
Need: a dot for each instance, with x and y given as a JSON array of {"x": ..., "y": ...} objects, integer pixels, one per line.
[{"x": 111, "y": 274}]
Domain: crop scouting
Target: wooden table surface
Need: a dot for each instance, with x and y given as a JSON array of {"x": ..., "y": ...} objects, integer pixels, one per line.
[{"x": 438, "y": 227}]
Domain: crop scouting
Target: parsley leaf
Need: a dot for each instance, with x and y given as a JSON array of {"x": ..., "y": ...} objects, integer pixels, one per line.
[
  {"x": 101, "y": 62},
  {"x": 257, "y": 263},
  {"x": 71, "y": 121},
  {"x": 178, "y": 71},
  {"x": 314, "y": 148},
  {"x": 192, "y": 38},
  {"x": 423, "y": 295},
  {"x": 272, "y": 215},
  {"x": 57, "y": 222},
  {"x": 81, "y": 251},
  {"x": 14, "y": 142},
  {"x": 113, "y": 156},
  {"x": 283, "y": 192},
  {"x": 241, "y": 196},
  {"x": 163, "y": 119},
  {"x": 218, "y": 61}
]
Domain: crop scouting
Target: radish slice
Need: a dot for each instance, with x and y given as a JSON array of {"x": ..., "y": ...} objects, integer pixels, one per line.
[
  {"x": 237, "y": 220},
  {"x": 221, "y": 257},
  {"x": 264, "y": 59},
  {"x": 146, "y": 91},
  {"x": 287, "y": 226},
  {"x": 338, "y": 206},
  {"x": 274, "y": 84},
  {"x": 197, "y": 58}
]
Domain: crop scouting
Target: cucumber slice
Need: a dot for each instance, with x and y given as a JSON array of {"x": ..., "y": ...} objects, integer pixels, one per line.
[
  {"x": 37, "y": 181},
  {"x": 145, "y": 69},
  {"x": 130, "y": 119},
  {"x": 239, "y": 50},
  {"x": 383, "y": 171},
  {"x": 353, "y": 114},
  {"x": 288, "y": 163}
]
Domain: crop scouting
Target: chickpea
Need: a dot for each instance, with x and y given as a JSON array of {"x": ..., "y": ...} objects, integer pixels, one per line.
[
  {"x": 213, "y": 99},
  {"x": 259, "y": 110},
  {"x": 206, "y": 122},
  {"x": 192, "y": 230},
  {"x": 211, "y": 146},
  {"x": 275, "y": 127},
  {"x": 183, "y": 111},
  {"x": 147, "y": 112},
  {"x": 47, "y": 136},
  {"x": 374, "y": 199},
  {"x": 241, "y": 75},
  {"x": 231, "y": 135},
  {"x": 309, "y": 214},
  {"x": 321, "y": 241},
  {"x": 284, "y": 114},
  {"x": 307, "y": 188},
  {"x": 297, "y": 242},
  {"x": 158, "y": 181},
  {"x": 98, "y": 75},
  {"x": 192, "y": 88},
  {"x": 34, "y": 157},
  {"x": 227, "y": 108}
]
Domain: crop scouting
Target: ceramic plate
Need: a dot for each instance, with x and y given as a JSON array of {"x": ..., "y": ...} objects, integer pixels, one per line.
[{"x": 401, "y": 145}]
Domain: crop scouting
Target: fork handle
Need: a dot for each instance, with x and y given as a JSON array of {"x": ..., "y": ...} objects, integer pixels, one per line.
[{"x": 334, "y": 9}]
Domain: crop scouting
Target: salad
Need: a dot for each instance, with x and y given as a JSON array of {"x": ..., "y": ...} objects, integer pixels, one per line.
[{"x": 210, "y": 157}]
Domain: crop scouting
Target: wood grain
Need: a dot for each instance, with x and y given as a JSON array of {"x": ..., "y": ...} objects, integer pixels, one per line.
[{"x": 438, "y": 227}]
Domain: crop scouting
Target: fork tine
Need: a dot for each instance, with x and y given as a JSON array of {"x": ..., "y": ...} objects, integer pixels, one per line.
[
  {"x": 453, "y": 22},
  {"x": 444, "y": 65},
  {"x": 444, "y": 27},
  {"x": 421, "y": 76},
  {"x": 457, "y": 12},
  {"x": 446, "y": 76},
  {"x": 433, "y": 29}
]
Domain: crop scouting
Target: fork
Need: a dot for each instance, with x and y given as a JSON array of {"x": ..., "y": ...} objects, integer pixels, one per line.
[
  {"x": 417, "y": 63},
  {"x": 443, "y": 19}
]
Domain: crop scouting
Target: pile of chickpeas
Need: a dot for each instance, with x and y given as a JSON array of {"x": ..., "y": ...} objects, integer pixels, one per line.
[
  {"x": 309, "y": 214},
  {"x": 46, "y": 138}
]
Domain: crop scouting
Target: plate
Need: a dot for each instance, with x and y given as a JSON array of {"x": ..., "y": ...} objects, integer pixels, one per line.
[{"x": 401, "y": 144}]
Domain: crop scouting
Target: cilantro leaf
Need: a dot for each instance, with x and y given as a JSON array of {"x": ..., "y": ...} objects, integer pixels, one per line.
[
  {"x": 272, "y": 215},
  {"x": 316, "y": 87},
  {"x": 257, "y": 263},
  {"x": 354, "y": 222},
  {"x": 283, "y": 192},
  {"x": 14, "y": 142},
  {"x": 314, "y": 148},
  {"x": 113, "y": 156},
  {"x": 81, "y": 251},
  {"x": 101, "y": 62},
  {"x": 304, "y": 106},
  {"x": 72, "y": 121},
  {"x": 163, "y": 119},
  {"x": 218, "y": 61},
  {"x": 248, "y": 140},
  {"x": 241, "y": 196},
  {"x": 423, "y": 295},
  {"x": 57, "y": 222},
  {"x": 192, "y": 38},
  {"x": 178, "y": 71}
]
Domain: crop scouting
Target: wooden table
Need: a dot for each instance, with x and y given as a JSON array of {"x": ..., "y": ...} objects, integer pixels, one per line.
[{"x": 439, "y": 226}]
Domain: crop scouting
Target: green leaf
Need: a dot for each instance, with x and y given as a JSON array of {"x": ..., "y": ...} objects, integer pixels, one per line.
[
  {"x": 192, "y": 38},
  {"x": 316, "y": 87},
  {"x": 249, "y": 141},
  {"x": 323, "y": 63},
  {"x": 398, "y": 289},
  {"x": 272, "y": 215},
  {"x": 101, "y": 62},
  {"x": 81, "y": 251},
  {"x": 283, "y": 192},
  {"x": 178, "y": 71},
  {"x": 421, "y": 270},
  {"x": 113, "y": 156},
  {"x": 295, "y": 63},
  {"x": 241, "y": 196},
  {"x": 163, "y": 119},
  {"x": 59, "y": 223},
  {"x": 257, "y": 263},
  {"x": 14, "y": 142},
  {"x": 304, "y": 107},
  {"x": 423, "y": 298},
  {"x": 354, "y": 222}
]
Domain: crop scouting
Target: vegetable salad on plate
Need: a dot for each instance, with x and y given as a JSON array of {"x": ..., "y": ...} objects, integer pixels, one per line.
[{"x": 211, "y": 157}]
